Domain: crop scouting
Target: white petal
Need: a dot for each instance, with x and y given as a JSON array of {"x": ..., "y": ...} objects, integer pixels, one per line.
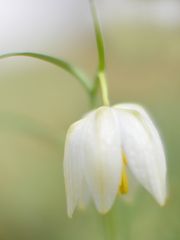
[
  {"x": 144, "y": 149},
  {"x": 84, "y": 196},
  {"x": 73, "y": 167},
  {"x": 103, "y": 157}
]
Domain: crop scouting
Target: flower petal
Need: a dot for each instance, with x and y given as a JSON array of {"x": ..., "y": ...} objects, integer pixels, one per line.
[
  {"x": 73, "y": 167},
  {"x": 144, "y": 149},
  {"x": 103, "y": 161}
]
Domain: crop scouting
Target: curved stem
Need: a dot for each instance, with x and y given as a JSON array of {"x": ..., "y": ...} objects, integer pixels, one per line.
[{"x": 76, "y": 72}]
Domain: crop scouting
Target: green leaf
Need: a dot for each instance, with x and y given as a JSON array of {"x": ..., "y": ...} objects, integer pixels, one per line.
[{"x": 76, "y": 72}]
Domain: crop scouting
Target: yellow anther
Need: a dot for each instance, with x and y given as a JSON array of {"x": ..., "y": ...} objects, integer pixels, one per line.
[{"x": 123, "y": 188}]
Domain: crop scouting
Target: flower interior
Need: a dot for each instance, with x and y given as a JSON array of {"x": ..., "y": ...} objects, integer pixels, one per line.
[{"x": 123, "y": 187}]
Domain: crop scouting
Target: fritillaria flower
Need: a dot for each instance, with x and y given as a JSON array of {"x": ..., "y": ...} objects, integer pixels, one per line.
[{"x": 104, "y": 148}]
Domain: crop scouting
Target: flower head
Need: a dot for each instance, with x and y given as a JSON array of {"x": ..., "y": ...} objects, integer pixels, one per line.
[{"x": 102, "y": 146}]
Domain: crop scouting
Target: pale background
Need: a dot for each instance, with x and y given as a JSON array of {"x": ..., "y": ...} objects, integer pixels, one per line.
[{"x": 39, "y": 101}]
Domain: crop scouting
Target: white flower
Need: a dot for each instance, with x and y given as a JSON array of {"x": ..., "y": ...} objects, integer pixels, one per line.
[{"x": 102, "y": 146}]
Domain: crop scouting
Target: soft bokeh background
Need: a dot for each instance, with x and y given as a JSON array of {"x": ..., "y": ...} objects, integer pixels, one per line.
[{"x": 39, "y": 101}]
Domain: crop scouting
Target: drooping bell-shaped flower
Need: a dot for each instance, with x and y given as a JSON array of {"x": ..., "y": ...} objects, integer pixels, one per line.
[{"x": 102, "y": 146}]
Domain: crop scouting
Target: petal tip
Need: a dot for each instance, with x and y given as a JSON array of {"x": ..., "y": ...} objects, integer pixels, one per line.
[
  {"x": 103, "y": 211},
  {"x": 162, "y": 202},
  {"x": 70, "y": 213}
]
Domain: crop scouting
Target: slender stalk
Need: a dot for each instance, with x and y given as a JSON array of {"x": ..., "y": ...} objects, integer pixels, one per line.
[
  {"x": 76, "y": 72},
  {"x": 104, "y": 88},
  {"x": 101, "y": 78},
  {"x": 94, "y": 93},
  {"x": 99, "y": 37}
]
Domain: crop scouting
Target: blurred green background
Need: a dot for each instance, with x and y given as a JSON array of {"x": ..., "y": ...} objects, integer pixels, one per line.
[{"x": 38, "y": 102}]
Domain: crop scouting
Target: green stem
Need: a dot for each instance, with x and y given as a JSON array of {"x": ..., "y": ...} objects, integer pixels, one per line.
[
  {"x": 104, "y": 88},
  {"x": 76, "y": 72},
  {"x": 101, "y": 56},
  {"x": 99, "y": 37}
]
